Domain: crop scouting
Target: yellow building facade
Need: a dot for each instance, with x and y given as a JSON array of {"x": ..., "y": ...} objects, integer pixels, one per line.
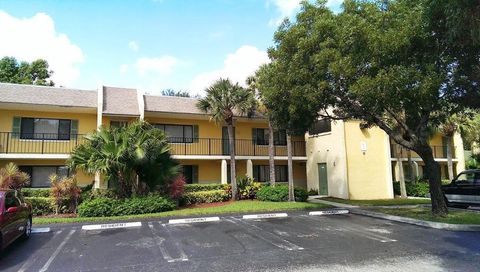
[{"x": 39, "y": 126}]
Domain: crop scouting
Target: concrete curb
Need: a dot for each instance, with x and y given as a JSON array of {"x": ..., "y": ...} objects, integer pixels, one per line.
[{"x": 428, "y": 224}]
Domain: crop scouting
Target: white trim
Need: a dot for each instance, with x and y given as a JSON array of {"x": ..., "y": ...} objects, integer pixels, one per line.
[
  {"x": 141, "y": 104},
  {"x": 35, "y": 156},
  {"x": 99, "y": 105},
  {"x": 420, "y": 159}
]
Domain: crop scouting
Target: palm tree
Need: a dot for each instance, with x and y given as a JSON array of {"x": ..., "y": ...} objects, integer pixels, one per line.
[
  {"x": 222, "y": 102},
  {"x": 127, "y": 156},
  {"x": 251, "y": 83}
]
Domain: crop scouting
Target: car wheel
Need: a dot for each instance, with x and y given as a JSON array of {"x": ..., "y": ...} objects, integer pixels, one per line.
[{"x": 28, "y": 229}]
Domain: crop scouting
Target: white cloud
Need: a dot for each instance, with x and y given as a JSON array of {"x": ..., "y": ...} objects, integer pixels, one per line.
[
  {"x": 237, "y": 67},
  {"x": 133, "y": 45},
  {"x": 28, "y": 39},
  {"x": 287, "y": 8},
  {"x": 163, "y": 65}
]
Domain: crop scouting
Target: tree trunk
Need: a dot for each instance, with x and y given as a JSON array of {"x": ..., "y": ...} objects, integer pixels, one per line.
[
  {"x": 271, "y": 154},
  {"x": 412, "y": 168},
  {"x": 233, "y": 176},
  {"x": 291, "y": 192},
  {"x": 450, "y": 157},
  {"x": 403, "y": 189},
  {"x": 432, "y": 171}
]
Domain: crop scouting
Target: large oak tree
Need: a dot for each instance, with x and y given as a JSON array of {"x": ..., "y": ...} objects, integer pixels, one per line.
[{"x": 403, "y": 66}]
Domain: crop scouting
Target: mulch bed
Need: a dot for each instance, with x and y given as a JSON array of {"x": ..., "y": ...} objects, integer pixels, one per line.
[{"x": 62, "y": 215}]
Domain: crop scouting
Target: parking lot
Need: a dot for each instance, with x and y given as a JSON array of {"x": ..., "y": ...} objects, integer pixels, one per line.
[{"x": 297, "y": 242}]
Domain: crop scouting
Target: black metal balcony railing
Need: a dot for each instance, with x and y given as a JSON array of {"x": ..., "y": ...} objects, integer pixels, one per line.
[
  {"x": 439, "y": 151},
  {"x": 48, "y": 143}
]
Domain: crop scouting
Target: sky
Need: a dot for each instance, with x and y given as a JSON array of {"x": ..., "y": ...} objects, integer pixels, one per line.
[{"x": 150, "y": 45}]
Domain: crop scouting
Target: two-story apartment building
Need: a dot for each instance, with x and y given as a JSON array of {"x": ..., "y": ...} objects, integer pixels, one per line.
[{"x": 39, "y": 126}]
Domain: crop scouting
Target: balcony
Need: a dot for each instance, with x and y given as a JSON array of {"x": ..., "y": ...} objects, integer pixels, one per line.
[
  {"x": 45, "y": 143},
  {"x": 439, "y": 152}
]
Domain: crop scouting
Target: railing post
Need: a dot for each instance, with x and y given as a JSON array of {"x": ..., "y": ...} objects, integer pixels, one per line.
[
  {"x": 254, "y": 148},
  {"x": 43, "y": 141},
  {"x": 209, "y": 146},
  {"x": 184, "y": 147},
  {"x": 8, "y": 140}
]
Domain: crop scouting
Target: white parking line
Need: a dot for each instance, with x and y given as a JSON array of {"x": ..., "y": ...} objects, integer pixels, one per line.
[
  {"x": 330, "y": 212},
  {"x": 26, "y": 265},
  {"x": 112, "y": 226},
  {"x": 55, "y": 253},
  {"x": 193, "y": 220},
  {"x": 40, "y": 230},
  {"x": 266, "y": 215}
]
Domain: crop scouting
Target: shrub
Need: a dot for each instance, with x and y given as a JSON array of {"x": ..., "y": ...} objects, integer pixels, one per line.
[
  {"x": 12, "y": 178},
  {"x": 46, "y": 205},
  {"x": 205, "y": 197},
  {"x": 206, "y": 187},
  {"x": 419, "y": 189},
  {"x": 99, "y": 193},
  {"x": 247, "y": 187},
  {"x": 36, "y": 192},
  {"x": 177, "y": 187},
  {"x": 279, "y": 193},
  {"x": 41, "y": 205},
  {"x": 312, "y": 192},
  {"x": 101, "y": 207}
]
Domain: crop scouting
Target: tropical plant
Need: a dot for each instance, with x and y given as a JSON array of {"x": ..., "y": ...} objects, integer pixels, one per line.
[
  {"x": 56, "y": 192},
  {"x": 409, "y": 62},
  {"x": 223, "y": 102},
  {"x": 134, "y": 159},
  {"x": 247, "y": 187},
  {"x": 177, "y": 187},
  {"x": 12, "y": 178}
]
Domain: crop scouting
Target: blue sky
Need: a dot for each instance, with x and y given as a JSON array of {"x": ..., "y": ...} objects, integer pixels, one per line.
[{"x": 146, "y": 44}]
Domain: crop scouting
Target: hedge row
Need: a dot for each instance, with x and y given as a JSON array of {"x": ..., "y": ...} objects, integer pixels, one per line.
[
  {"x": 45, "y": 205},
  {"x": 206, "y": 187},
  {"x": 419, "y": 189},
  {"x": 36, "y": 192},
  {"x": 279, "y": 193},
  {"x": 101, "y": 207},
  {"x": 205, "y": 197}
]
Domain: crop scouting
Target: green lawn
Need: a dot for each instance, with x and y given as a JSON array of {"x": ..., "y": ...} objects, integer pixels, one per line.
[
  {"x": 380, "y": 202},
  {"x": 230, "y": 208},
  {"x": 453, "y": 217}
]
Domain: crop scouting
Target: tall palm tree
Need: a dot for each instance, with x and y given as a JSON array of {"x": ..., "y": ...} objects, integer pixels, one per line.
[
  {"x": 222, "y": 102},
  {"x": 251, "y": 83}
]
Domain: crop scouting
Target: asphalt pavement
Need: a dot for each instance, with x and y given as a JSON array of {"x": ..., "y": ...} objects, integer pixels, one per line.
[{"x": 299, "y": 242}]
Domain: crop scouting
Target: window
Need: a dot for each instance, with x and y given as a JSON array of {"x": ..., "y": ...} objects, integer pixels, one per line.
[
  {"x": 45, "y": 129},
  {"x": 320, "y": 126},
  {"x": 261, "y": 136},
  {"x": 39, "y": 175},
  {"x": 468, "y": 179},
  {"x": 261, "y": 173},
  {"x": 118, "y": 124},
  {"x": 190, "y": 172},
  {"x": 177, "y": 133},
  {"x": 11, "y": 200}
]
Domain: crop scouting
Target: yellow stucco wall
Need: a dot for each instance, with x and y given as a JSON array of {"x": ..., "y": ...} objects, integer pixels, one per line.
[{"x": 369, "y": 172}]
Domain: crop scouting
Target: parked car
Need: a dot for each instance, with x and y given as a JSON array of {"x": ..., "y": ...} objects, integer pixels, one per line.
[
  {"x": 464, "y": 190},
  {"x": 15, "y": 217}
]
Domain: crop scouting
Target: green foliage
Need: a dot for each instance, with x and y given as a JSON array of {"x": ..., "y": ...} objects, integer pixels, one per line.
[
  {"x": 418, "y": 189},
  {"x": 35, "y": 192},
  {"x": 46, "y": 205},
  {"x": 211, "y": 196},
  {"x": 123, "y": 153},
  {"x": 312, "y": 192},
  {"x": 473, "y": 163},
  {"x": 247, "y": 187},
  {"x": 99, "y": 193},
  {"x": 206, "y": 187},
  {"x": 37, "y": 72},
  {"x": 280, "y": 193},
  {"x": 101, "y": 207},
  {"x": 172, "y": 92}
]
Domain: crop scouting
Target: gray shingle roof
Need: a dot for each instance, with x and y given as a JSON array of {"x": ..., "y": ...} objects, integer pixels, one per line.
[
  {"x": 171, "y": 104},
  {"x": 41, "y": 95},
  {"x": 120, "y": 101}
]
